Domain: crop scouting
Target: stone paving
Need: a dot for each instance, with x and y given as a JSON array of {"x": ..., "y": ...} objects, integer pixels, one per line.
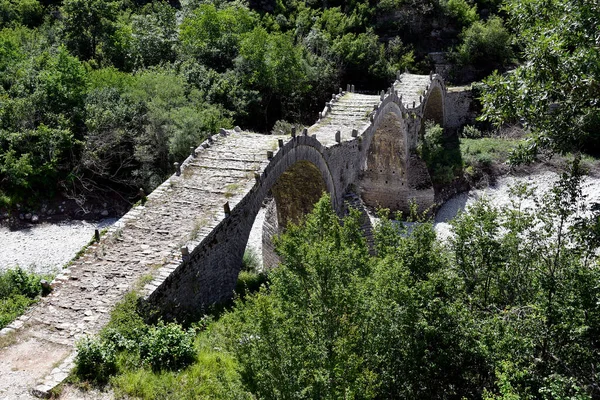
[{"x": 147, "y": 241}]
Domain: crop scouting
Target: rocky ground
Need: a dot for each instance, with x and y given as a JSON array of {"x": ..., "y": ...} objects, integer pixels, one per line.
[
  {"x": 499, "y": 194},
  {"x": 46, "y": 247}
]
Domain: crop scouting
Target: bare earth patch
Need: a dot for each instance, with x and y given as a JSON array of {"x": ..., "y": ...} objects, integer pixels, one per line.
[{"x": 25, "y": 362}]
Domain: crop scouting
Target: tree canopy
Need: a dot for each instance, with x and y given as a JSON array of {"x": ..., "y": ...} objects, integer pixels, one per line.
[{"x": 554, "y": 91}]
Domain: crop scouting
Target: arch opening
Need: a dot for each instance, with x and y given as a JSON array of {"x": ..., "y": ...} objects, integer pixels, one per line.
[
  {"x": 293, "y": 195},
  {"x": 296, "y": 192},
  {"x": 434, "y": 108}
]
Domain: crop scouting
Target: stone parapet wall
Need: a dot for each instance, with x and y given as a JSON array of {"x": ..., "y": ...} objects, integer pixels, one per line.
[{"x": 461, "y": 110}]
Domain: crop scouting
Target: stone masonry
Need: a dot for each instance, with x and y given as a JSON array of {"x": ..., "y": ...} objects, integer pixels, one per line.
[{"x": 189, "y": 238}]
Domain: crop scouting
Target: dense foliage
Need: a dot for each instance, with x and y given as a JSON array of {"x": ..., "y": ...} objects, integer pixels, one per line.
[
  {"x": 508, "y": 307},
  {"x": 18, "y": 290},
  {"x": 101, "y": 97},
  {"x": 555, "y": 91}
]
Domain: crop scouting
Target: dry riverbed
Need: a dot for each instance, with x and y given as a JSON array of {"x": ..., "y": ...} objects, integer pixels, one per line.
[{"x": 45, "y": 248}]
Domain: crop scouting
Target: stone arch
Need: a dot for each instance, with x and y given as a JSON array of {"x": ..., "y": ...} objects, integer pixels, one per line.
[
  {"x": 433, "y": 108},
  {"x": 298, "y": 173},
  {"x": 210, "y": 273},
  {"x": 293, "y": 195},
  {"x": 384, "y": 175},
  {"x": 296, "y": 191}
]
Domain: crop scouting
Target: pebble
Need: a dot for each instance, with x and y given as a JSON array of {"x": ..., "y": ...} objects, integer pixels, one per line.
[{"x": 45, "y": 248}]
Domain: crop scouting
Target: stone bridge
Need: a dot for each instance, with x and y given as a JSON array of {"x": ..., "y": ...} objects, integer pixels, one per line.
[
  {"x": 360, "y": 143},
  {"x": 189, "y": 238}
]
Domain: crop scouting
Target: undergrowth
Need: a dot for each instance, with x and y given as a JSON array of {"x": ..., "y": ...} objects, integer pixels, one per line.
[
  {"x": 165, "y": 360},
  {"x": 485, "y": 151},
  {"x": 18, "y": 290}
]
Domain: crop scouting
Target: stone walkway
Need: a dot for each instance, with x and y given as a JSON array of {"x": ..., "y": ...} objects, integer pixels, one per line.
[{"x": 180, "y": 212}]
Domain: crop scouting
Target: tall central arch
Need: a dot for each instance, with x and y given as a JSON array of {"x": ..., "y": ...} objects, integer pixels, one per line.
[
  {"x": 393, "y": 175},
  {"x": 383, "y": 182},
  {"x": 293, "y": 196}
]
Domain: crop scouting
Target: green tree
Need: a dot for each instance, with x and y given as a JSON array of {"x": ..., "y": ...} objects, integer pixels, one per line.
[
  {"x": 554, "y": 92},
  {"x": 271, "y": 64},
  {"x": 212, "y": 36},
  {"x": 88, "y": 26},
  {"x": 14, "y": 12},
  {"x": 486, "y": 45},
  {"x": 303, "y": 339},
  {"x": 154, "y": 35},
  {"x": 32, "y": 160}
]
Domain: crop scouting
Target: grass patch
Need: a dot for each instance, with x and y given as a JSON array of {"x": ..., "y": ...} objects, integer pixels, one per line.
[
  {"x": 214, "y": 375},
  {"x": 231, "y": 189},
  {"x": 18, "y": 290},
  {"x": 158, "y": 361},
  {"x": 8, "y": 339},
  {"x": 487, "y": 150}
]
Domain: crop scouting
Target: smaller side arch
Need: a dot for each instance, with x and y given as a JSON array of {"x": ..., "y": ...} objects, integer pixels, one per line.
[{"x": 434, "y": 105}]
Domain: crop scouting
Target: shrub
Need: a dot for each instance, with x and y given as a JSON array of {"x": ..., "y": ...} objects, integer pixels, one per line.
[
  {"x": 442, "y": 159},
  {"x": 249, "y": 282},
  {"x": 168, "y": 347},
  {"x": 11, "y": 308},
  {"x": 462, "y": 12},
  {"x": 96, "y": 360},
  {"x": 487, "y": 43},
  {"x": 18, "y": 290},
  {"x": 250, "y": 262},
  {"x": 471, "y": 132},
  {"x": 282, "y": 127},
  {"x": 27, "y": 284},
  {"x": 126, "y": 321}
]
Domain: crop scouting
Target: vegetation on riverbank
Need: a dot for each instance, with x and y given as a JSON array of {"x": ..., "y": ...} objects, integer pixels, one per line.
[
  {"x": 18, "y": 290},
  {"x": 508, "y": 308}
]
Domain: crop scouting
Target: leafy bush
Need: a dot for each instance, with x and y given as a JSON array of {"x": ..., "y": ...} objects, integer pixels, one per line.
[
  {"x": 249, "y": 282},
  {"x": 15, "y": 12},
  {"x": 282, "y": 127},
  {"x": 18, "y": 290},
  {"x": 442, "y": 158},
  {"x": 96, "y": 360},
  {"x": 486, "y": 44},
  {"x": 12, "y": 307},
  {"x": 460, "y": 11},
  {"x": 471, "y": 132},
  {"x": 168, "y": 347},
  {"x": 22, "y": 282},
  {"x": 250, "y": 261},
  {"x": 126, "y": 321}
]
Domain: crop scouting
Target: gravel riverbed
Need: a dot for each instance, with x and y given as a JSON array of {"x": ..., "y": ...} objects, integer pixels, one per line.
[
  {"x": 499, "y": 195},
  {"x": 45, "y": 248}
]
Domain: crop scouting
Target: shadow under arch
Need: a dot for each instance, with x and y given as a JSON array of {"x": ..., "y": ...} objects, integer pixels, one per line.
[
  {"x": 293, "y": 195},
  {"x": 433, "y": 109}
]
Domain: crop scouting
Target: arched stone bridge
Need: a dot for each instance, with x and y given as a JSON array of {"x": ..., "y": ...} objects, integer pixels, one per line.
[{"x": 361, "y": 143}]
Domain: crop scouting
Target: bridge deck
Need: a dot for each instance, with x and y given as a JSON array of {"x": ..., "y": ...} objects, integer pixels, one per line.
[{"x": 151, "y": 236}]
